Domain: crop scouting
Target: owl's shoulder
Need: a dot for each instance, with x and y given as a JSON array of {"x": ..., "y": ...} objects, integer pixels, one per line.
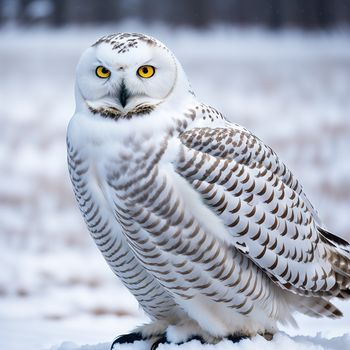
[{"x": 208, "y": 118}]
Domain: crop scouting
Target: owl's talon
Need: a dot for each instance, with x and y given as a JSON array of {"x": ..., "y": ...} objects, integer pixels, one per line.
[
  {"x": 127, "y": 339},
  {"x": 161, "y": 340},
  {"x": 268, "y": 336},
  {"x": 194, "y": 337},
  {"x": 236, "y": 338}
]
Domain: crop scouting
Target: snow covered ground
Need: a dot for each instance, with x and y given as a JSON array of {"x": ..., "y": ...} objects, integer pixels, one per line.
[
  {"x": 280, "y": 341},
  {"x": 292, "y": 89}
]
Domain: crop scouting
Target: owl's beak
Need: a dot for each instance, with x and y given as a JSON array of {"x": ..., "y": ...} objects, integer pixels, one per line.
[{"x": 123, "y": 94}]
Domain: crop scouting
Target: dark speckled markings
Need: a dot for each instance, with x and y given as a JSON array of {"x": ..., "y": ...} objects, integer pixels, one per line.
[
  {"x": 171, "y": 244},
  {"x": 260, "y": 201},
  {"x": 123, "y": 42},
  {"x": 115, "y": 114}
]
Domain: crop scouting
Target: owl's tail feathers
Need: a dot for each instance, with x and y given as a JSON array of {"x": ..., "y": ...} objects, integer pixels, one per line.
[
  {"x": 339, "y": 258},
  {"x": 318, "y": 307}
]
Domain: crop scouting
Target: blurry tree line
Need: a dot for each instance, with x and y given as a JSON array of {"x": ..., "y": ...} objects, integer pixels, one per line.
[{"x": 199, "y": 13}]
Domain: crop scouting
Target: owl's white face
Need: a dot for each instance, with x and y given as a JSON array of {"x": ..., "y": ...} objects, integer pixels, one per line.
[{"x": 125, "y": 73}]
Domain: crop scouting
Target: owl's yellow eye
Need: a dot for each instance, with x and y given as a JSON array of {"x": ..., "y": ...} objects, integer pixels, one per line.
[
  {"x": 102, "y": 72},
  {"x": 146, "y": 71}
]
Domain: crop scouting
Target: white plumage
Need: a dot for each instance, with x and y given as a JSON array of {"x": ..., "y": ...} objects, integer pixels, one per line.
[{"x": 198, "y": 217}]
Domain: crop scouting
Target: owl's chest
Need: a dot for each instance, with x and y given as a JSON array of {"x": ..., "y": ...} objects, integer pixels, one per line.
[
  {"x": 161, "y": 219},
  {"x": 123, "y": 166}
]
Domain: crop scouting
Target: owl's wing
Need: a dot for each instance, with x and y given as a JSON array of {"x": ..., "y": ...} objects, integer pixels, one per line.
[{"x": 264, "y": 209}]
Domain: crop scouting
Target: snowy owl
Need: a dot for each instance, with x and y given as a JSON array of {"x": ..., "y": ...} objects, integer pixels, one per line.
[{"x": 201, "y": 221}]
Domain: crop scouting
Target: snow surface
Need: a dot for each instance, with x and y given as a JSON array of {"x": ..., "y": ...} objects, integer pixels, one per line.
[
  {"x": 280, "y": 341},
  {"x": 292, "y": 89}
]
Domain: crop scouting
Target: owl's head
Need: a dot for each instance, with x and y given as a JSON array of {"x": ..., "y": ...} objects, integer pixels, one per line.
[{"x": 127, "y": 74}]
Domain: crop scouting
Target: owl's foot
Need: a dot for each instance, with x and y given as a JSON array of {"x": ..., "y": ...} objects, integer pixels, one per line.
[
  {"x": 127, "y": 339},
  {"x": 180, "y": 334},
  {"x": 151, "y": 330},
  {"x": 267, "y": 335},
  {"x": 195, "y": 337},
  {"x": 185, "y": 332},
  {"x": 163, "y": 340},
  {"x": 236, "y": 338}
]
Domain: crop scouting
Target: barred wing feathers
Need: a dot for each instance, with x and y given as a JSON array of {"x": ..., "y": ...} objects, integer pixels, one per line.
[{"x": 265, "y": 209}]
